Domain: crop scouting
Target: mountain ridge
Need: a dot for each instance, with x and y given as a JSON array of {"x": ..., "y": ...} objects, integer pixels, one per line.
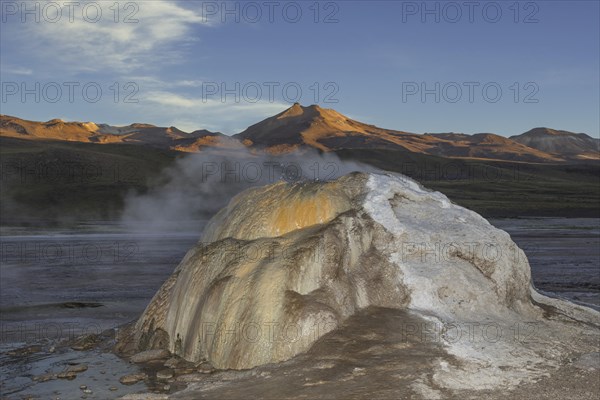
[
  {"x": 89, "y": 132},
  {"x": 559, "y": 142},
  {"x": 300, "y": 127}
]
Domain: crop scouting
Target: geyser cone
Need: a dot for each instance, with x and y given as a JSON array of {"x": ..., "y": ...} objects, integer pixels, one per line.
[{"x": 284, "y": 264}]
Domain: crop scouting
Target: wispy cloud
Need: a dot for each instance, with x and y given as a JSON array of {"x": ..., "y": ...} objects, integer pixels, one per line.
[
  {"x": 190, "y": 113},
  {"x": 150, "y": 82},
  {"x": 14, "y": 70},
  {"x": 80, "y": 45}
]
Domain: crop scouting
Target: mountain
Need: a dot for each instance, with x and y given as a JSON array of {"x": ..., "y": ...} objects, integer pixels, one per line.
[
  {"x": 564, "y": 143},
  {"x": 486, "y": 145},
  {"x": 88, "y": 132},
  {"x": 320, "y": 128},
  {"x": 55, "y": 129},
  {"x": 323, "y": 129},
  {"x": 328, "y": 130}
]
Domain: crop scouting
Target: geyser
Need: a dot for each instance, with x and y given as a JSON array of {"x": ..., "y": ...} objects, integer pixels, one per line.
[{"x": 284, "y": 264}]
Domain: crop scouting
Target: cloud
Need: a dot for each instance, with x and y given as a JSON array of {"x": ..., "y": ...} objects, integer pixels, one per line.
[
  {"x": 165, "y": 98},
  {"x": 151, "y": 83},
  {"x": 188, "y": 83},
  {"x": 190, "y": 113},
  {"x": 77, "y": 44},
  {"x": 141, "y": 52},
  {"x": 15, "y": 70}
]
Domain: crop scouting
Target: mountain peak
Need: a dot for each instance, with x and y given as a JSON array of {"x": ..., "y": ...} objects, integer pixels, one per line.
[
  {"x": 293, "y": 111},
  {"x": 555, "y": 141},
  {"x": 541, "y": 131},
  {"x": 546, "y": 132},
  {"x": 297, "y": 109}
]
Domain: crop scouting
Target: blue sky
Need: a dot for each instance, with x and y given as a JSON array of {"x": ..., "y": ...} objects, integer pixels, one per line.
[{"x": 387, "y": 63}]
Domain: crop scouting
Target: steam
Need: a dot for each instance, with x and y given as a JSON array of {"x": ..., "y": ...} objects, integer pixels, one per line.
[{"x": 198, "y": 185}]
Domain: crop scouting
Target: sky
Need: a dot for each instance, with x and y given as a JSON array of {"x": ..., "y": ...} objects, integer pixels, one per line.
[{"x": 436, "y": 66}]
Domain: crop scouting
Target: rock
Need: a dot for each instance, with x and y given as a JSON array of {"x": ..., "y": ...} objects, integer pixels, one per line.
[
  {"x": 67, "y": 375},
  {"x": 205, "y": 368},
  {"x": 71, "y": 371},
  {"x": 82, "y": 387},
  {"x": 112, "y": 388},
  {"x": 145, "y": 396},
  {"x": 283, "y": 265},
  {"x": 77, "y": 368},
  {"x": 44, "y": 377},
  {"x": 125, "y": 344},
  {"x": 190, "y": 378},
  {"x": 149, "y": 355},
  {"x": 132, "y": 378},
  {"x": 172, "y": 362},
  {"x": 87, "y": 391},
  {"x": 184, "y": 371},
  {"x": 86, "y": 342},
  {"x": 25, "y": 351},
  {"x": 164, "y": 374}
]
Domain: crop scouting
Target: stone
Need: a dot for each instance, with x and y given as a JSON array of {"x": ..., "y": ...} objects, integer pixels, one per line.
[
  {"x": 149, "y": 355},
  {"x": 205, "y": 368},
  {"x": 184, "y": 370},
  {"x": 77, "y": 368},
  {"x": 145, "y": 396},
  {"x": 173, "y": 362},
  {"x": 67, "y": 375},
  {"x": 86, "y": 342},
  {"x": 164, "y": 374},
  {"x": 44, "y": 377},
  {"x": 132, "y": 378},
  {"x": 25, "y": 351}
]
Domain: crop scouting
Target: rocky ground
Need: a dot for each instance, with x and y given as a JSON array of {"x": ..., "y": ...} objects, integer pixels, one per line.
[
  {"x": 377, "y": 354},
  {"x": 373, "y": 357}
]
